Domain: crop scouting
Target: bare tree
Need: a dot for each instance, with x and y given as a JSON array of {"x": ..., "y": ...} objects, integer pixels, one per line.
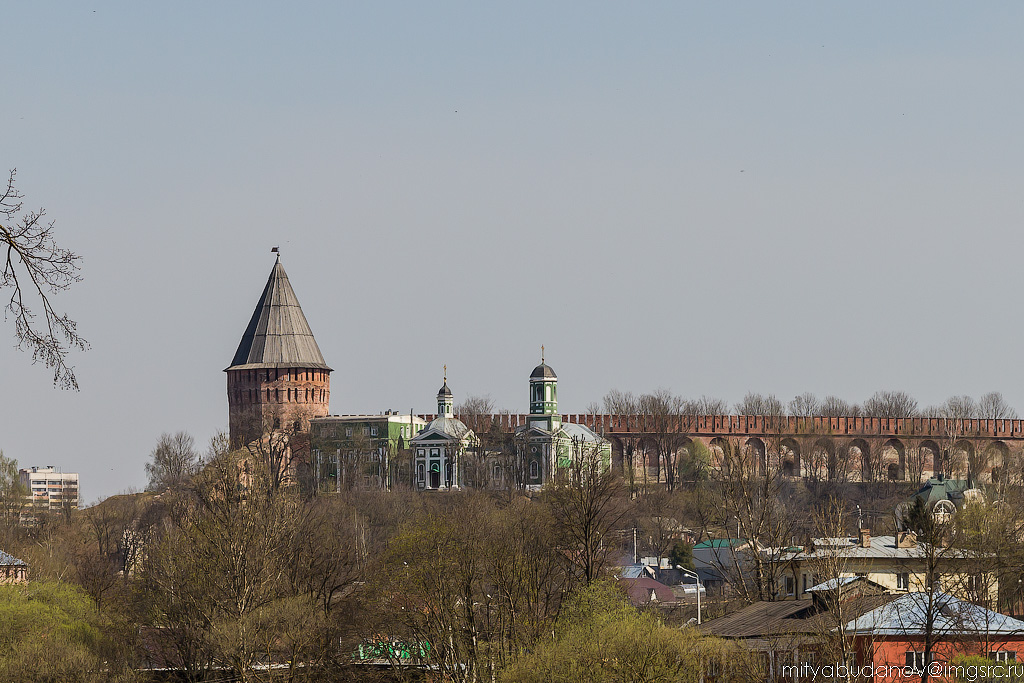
[
  {"x": 890, "y": 404},
  {"x": 833, "y": 406},
  {"x": 992, "y": 406},
  {"x": 708, "y": 405},
  {"x": 756, "y": 404},
  {"x": 279, "y": 449},
  {"x": 36, "y": 268},
  {"x": 751, "y": 495},
  {"x": 805, "y": 405},
  {"x": 586, "y": 501},
  {"x": 626, "y": 407},
  {"x": 828, "y": 564},
  {"x": 957, "y": 408},
  {"x": 475, "y": 406},
  {"x": 664, "y": 413},
  {"x": 173, "y": 462}
]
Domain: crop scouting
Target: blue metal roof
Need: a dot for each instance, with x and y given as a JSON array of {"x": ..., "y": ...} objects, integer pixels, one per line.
[{"x": 908, "y": 614}]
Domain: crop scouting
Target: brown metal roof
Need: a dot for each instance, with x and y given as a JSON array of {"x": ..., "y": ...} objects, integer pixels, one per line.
[
  {"x": 786, "y": 617},
  {"x": 278, "y": 335}
]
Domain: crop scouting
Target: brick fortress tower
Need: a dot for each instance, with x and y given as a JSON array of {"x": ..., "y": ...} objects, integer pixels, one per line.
[{"x": 278, "y": 379}]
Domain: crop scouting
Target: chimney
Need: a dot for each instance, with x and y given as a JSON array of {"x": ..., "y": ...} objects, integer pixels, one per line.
[
  {"x": 865, "y": 538},
  {"x": 906, "y": 539}
]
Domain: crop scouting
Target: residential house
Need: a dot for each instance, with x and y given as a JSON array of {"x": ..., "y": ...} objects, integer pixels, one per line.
[
  {"x": 855, "y": 622},
  {"x": 899, "y": 563},
  {"x": 644, "y": 591},
  {"x": 718, "y": 561},
  {"x": 12, "y": 570},
  {"x": 893, "y": 636}
]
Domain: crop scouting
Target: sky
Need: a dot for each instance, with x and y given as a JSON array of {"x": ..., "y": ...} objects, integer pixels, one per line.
[{"x": 712, "y": 198}]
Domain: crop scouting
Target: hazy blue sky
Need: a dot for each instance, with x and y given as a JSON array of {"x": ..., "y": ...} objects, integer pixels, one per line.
[{"x": 708, "y": 197}]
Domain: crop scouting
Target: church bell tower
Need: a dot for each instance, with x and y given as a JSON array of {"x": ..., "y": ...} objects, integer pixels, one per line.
[{"x": 544, "y": 397}]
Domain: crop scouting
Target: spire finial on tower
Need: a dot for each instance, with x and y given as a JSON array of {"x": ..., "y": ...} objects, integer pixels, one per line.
[
  {"x": 276, "y": 250},
  {"x": 542, "y": 354},
  {"x": 446, "y": 373}
]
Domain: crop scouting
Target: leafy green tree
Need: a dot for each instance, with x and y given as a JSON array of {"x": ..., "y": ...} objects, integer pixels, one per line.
[
  {"x": 12, "y": 495},
  {"x": 979, "y": 669},
  {"x": 600, "y": 637},
  {"x": 682, "y": 555},
  {"x": 51, "y": 631}
]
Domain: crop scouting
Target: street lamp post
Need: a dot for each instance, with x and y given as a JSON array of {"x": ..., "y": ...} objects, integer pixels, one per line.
[{"x": 694, "y": 575}]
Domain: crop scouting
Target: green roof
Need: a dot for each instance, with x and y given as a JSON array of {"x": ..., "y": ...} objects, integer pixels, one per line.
[{"x": 935, "y": 490}]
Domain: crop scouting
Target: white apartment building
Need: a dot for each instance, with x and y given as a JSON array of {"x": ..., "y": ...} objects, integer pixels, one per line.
[{"x": 49, "y": 488}]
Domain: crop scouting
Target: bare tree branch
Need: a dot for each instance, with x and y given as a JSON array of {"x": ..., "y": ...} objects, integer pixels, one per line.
[{"x": 34, "y": 268}]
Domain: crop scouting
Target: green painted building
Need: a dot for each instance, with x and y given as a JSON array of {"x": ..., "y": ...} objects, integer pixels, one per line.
[
  {"x": 550, "y": 448},
  {"x": 440, "y": 450},
  {"x": 362, "y": 450}
]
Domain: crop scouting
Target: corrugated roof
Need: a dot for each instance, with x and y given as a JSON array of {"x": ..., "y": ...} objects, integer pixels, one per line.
[
  {"x": 8, "y": 560},
  {"x": 882, "y": 547},
  {"x": 833, "y": 584},
  {"x": 278, "y": 335},
  {"x": 908, "y": 615},
  {"x": 786, "y": 617}
]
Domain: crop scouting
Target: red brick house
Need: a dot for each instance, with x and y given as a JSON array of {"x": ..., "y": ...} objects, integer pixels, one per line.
[{"x": 893, "y": 637}]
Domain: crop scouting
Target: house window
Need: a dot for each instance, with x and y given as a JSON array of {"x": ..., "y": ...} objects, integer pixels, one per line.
[
  {"x": 419, "y": 452},
  {"x": 348, "y": 431},
  {"x": 1003, "y": 655},
  {"x": 434, "y": 452},
  {"x": 373, "y": 431},
  {"x": 804, "y": 582},
  {"x": 916, "y": 660},
  {"x": 534, "y": 470},
  {"x": 790, "y": 585},
  {"x": 420, "y": 472},
  {"x": 903, "y": 581},
  {"x": 497, "y": 472}
]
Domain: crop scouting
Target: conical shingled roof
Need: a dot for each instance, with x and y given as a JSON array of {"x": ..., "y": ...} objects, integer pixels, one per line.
[{"x": 278, "y": 335}]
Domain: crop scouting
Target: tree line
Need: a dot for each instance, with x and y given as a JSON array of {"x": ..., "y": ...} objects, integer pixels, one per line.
[
  {"x": 221, "y": 575},
  {"x": 881, "y": 404}
]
